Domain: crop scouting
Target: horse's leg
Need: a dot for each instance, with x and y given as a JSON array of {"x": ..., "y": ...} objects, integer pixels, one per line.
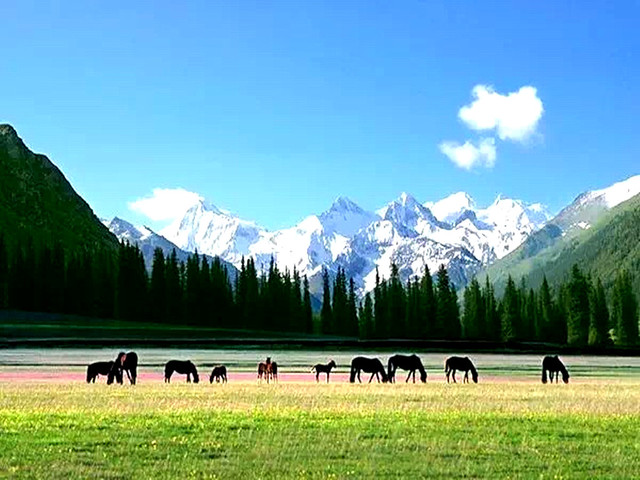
[
  {"x": 317, "y": 376},
  {"x": 359, "y": 379},
  {"x": 371, "y": 378},
  {"x": 466, "y": 377},
  {"x": 453, "y": 375},
  {"x": 408, "y": 377},
  {"x": 328, "y": 375}
]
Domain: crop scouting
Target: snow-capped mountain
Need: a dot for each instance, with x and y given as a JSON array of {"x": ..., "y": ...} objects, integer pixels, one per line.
[
  {"x": 589, "y": 206},
  {"x": 148, "y": 240},
  {"x": 404, "y": 231},
  {"x": 449, "y": 209},
  {"x": 214, "y": 232}
]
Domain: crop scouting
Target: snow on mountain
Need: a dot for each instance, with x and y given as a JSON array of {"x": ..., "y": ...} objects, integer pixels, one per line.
[
  {"x": 214, "y": 232},
  {"x": 616, "y": 193},
  {"x": 404, "y": 231},
  {"x": 147, "y": 241},
  {"x": 450, "y": 208},
  {"x": 587, "y": 208}
]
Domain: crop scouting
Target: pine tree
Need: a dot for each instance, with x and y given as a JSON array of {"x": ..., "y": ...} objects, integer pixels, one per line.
[
  {"x": 428, "y": 306},
  {"x": 578, "y": 308},
  {"x": 473, "y": 318},
  {"x": 307, "y": 312},
  {"x": 367, "y": 328},
  {"x": 598, "y": 316},
  {"x": 326, "y": 314},
  {"x": 158, "y": 287},
  {"x": 4, "y": 273},
  {"x": 510, "y": 312},
  {"x": 624, "y": 310},
  {"x": 352, "y": 310},
  {"x": 493, "y": 321},
  {"x": 397, "y": 304},
  {"x": 447, "y": 314},
  {"x": 174, "y": 291}
]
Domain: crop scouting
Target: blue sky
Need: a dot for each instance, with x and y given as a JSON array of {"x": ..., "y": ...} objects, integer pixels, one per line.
[{"x": 273, "y": 109}]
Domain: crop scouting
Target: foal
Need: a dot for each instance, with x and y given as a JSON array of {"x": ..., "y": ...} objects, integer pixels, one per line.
[{"x": 322, "y": 368}]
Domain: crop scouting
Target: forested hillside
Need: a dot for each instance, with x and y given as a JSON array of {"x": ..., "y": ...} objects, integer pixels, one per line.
[
  {"x": 602, "y": 250},
  {"x": 38, "y": 203}
]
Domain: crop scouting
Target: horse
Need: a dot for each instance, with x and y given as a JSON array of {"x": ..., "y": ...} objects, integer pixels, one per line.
[
  {"x": 554, "y": 365},
  {"x": 322, "y": 368},
  {"x": 406, "y": 362},
  {"x": 219, "y": 373},
  {"x": 273, "y": 371},
  {"x": 101, "y": 368},
  {"x": 464, "y": 365},
  {"x": 182, "y": 367},
  {"x": 263, "y": 370},
  {"x": 368, "y": 365},
  {"x": 127, "y": 362}
]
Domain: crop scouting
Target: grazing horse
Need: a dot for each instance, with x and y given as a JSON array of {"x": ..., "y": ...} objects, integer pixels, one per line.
[
  {"x": 464, "y": 365},
  {"x": 127, "y": 362},
  {"x": 322, "y": 368},
  {"x": 368, "y": 365},
  {"x": 406, "y": 362},
  {"x": 554, "y": 365},
  {"x": 182, "y": 367},
  {"x": 102, "y": 368},
  {"x": 219, "y": 373}
]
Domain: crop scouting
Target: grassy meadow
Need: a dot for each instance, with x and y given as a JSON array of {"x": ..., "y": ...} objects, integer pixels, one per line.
[{"x": 303, "y": 430}]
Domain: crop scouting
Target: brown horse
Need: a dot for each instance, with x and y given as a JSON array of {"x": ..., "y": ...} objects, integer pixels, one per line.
[{"x": 264, "y": 370}]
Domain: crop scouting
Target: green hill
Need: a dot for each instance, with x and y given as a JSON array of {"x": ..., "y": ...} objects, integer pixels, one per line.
[
  {"x": 37, "y": 201},
  {"x": 611, "y": 244}
]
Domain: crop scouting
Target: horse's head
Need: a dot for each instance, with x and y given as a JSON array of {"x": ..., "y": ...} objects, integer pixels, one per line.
[
  {"x": 211, "y": 378},
  {"x": 332, "y": 364},
  {"x": 423, "y": 376},
  {"x": 565, "y": 376},
  {"x": 196, "y": 377},
  {"x": 474, "y": 375},
  {"x": 385, "y": 377}
]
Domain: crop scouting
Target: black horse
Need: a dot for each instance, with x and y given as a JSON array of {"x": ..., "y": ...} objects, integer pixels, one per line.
[
  {"x": 554, "y": 366},
  {"x": 102, "y": 368},
  {"x": 322, "y": 368},
  {"x": 219, "y": 374},
  {"x": 406, "y": 362},
  {"x": 452, "y": 364},
  {"x": 368, "y": 365},
  {"x": 183, "y": 367},
  {"x": 125, "y": 362}
]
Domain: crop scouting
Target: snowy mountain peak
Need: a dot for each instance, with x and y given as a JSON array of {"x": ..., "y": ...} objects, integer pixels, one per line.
[
  {"x": 344, "y": 203},
  {"x": 450, "y": 208},
  {"x": 617, "y": 193},
  {"x": 345, "y": 217}
]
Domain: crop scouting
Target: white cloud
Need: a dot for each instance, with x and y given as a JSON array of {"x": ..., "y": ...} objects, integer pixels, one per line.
[
  {"x": 165, "y": 203},
  {"x": 514, "y": 116},
  {"x": 468, "y": 155}
]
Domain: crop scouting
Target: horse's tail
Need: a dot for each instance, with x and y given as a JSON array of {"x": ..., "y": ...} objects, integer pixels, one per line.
[
  {"x": 544, "y": 375},
  {"x": 167, "y": 373},
  {"x": 446, "y": 365},
  {"x": 89, "y": 372},
  {"x": 313, "y": 369},
  {"x": 390, "y": 369}
]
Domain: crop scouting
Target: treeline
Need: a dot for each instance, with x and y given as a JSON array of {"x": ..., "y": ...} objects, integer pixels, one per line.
[
  {"x": 107, "y": 284},
  {"x": 199, "y": 292}
]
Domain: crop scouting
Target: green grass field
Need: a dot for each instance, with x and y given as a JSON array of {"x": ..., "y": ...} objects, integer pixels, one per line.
[{"x": 297, "y": 430}]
